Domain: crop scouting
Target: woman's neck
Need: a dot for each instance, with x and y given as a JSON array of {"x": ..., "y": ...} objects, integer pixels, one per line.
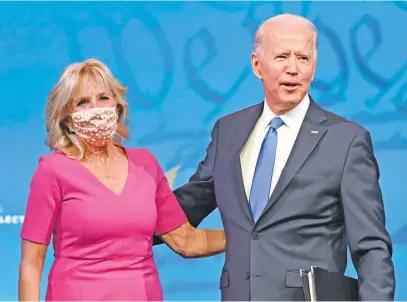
[{"x": 100, "y": 153}]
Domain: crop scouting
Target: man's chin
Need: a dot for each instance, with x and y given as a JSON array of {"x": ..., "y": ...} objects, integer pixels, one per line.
[
  {"x": 293, "y": 98},
  {"x": 292, "y": 102}
]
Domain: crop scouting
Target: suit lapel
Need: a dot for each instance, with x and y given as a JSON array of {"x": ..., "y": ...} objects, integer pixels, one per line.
[
  {"x": 240, "y": 137},
  {"x": 308, "y": 137}
]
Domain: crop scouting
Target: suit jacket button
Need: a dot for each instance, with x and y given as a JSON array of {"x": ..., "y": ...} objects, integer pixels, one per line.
[
  {"x": 247, "y": 275},
  {"x": 255, "y": 236}
]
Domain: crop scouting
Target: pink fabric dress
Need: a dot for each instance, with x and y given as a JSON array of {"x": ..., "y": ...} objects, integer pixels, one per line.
[{"x": 102, "y": 241}]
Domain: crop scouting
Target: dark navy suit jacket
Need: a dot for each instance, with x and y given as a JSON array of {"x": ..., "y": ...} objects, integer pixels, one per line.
[{"x": 327, "y": 199}]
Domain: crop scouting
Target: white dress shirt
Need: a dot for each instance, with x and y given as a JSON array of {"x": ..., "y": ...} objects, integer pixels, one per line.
[{"x": 287, "y": 135}]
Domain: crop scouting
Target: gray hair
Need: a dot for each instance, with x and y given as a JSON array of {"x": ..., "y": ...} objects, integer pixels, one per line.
[{"x": 287, "y": 19}]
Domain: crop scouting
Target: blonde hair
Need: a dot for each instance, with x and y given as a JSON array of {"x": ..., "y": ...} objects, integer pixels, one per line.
[{"x": 58, "y": 120}]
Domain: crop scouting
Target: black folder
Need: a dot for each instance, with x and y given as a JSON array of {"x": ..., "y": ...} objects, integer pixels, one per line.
[{"x": 322, "y": 285}]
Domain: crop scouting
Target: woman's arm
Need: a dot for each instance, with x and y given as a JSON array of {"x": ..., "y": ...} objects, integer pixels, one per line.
[
  {"x": 172, "y": 225},
  {"x": 31, "y": 265},
  {"x": 191, "y": 242},
  {"x": 43, "y": 204}
]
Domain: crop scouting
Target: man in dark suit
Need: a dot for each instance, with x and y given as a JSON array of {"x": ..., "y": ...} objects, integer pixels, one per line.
[{"x": 294, "y": 184}]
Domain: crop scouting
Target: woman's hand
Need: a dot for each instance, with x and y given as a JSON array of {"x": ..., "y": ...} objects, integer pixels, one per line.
[{"x": 191, "y": 242}]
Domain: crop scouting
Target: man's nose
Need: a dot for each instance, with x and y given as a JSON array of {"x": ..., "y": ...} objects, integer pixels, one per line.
[{"x": 292, "y": 67}]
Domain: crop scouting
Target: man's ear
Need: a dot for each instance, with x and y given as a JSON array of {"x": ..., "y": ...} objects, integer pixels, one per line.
[
  {"x": 313, "y": 72},
  {"x": 256, "y": 66}
]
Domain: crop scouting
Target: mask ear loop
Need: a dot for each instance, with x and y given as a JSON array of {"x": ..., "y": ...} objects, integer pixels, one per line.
[
  {"x": 70, "y": 130},
  {"x": 65, "y": 127}
]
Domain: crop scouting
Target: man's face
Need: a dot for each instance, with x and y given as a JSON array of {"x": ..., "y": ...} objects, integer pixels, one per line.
[{"x": 286, "y": 64}]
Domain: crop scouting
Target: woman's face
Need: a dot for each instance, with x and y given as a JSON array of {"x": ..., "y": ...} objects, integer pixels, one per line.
[{"x": 95, "y": 127}]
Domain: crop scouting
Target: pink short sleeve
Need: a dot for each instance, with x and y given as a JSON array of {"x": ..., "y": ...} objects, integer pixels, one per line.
[
  {"x": 169, "y": 212},
  {"x": 43, "y": 204}
]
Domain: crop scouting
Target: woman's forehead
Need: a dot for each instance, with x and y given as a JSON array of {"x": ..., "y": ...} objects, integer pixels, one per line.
[{"x": 91, "y": 86}]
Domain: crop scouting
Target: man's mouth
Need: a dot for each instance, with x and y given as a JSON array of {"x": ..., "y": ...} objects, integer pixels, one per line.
[{"x": 290, "y": 84}]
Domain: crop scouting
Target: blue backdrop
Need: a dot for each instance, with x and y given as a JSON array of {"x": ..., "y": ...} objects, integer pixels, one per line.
[{"x": 186, "y": 64}]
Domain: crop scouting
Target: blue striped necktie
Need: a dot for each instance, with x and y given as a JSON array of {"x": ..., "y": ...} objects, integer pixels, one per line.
[{"x": 263, "y": 174}]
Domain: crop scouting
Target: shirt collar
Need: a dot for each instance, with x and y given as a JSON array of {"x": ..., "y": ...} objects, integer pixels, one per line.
[{"x": 292, "y": 119}]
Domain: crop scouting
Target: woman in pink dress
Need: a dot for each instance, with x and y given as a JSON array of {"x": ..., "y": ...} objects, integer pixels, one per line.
[{"x": 102, "y": 202}]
